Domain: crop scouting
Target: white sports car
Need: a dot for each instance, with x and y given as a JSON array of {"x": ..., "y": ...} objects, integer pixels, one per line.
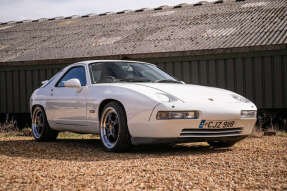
[{"x": 130, "y": 103}]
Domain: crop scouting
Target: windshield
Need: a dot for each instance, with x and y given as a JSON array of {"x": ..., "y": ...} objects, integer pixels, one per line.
[{"x": 111, "y": 72}]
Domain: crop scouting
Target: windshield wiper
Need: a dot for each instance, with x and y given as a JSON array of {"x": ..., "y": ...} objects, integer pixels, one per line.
[
  {"x": 168, "y": 81},
  {"x": 133, "y": 80}
]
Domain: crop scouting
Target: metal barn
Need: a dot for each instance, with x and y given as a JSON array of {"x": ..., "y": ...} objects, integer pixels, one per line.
[{"x": 237, "y": 45}]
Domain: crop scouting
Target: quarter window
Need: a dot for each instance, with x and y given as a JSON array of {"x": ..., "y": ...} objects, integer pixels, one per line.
[{"x": 75, "y": 72}]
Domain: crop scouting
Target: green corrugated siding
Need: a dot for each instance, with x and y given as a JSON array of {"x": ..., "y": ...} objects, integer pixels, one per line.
[
  {"x": 262, "y": 77},
  {"x": 17, "y": 84}
]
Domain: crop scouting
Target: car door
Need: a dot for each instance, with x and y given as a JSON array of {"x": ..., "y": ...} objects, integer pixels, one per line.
[{"x": 69, "y": 104}]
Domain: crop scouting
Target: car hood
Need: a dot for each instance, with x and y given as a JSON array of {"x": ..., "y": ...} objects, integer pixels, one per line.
[{"x": 193, "y": 93}]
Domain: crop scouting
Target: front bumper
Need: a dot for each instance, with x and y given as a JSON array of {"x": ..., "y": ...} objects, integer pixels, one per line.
[
  {"x": 187, "y": 130},
  {"x": 143, "y": 140}
]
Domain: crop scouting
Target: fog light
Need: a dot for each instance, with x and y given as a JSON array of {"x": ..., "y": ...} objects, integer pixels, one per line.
[
  {"x": 248, "y": 114},
  {"x": 164, "y": 115}
]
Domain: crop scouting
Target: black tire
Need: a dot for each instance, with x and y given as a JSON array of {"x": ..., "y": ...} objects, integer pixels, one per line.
[
  {"x": 114, "y": 132},
  {"x": 222, "y": 144},
  {"x": 40, "y": 128}
]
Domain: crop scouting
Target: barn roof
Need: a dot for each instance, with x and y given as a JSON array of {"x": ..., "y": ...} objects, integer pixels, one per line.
[{"x": 182, "y": 28}]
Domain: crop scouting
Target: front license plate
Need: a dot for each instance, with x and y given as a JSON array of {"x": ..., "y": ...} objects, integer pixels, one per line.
[{"x": 216, "y": 124}]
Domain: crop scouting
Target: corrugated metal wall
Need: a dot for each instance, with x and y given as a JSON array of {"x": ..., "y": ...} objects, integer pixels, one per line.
[
  {"x": 18, "y": 83},
  {"x": 260, "y": 77}
]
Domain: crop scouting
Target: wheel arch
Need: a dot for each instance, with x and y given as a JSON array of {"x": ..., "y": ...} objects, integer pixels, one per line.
[
  {"x": 36, "y": 105},
  {"x": 105, "y": 102}
]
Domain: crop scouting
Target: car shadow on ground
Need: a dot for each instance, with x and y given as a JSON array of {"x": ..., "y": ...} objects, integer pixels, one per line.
[{"x": 92, "y": 150}]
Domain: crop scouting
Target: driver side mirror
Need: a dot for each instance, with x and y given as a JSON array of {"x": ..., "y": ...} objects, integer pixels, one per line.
[{"x": 73, "y": 83}]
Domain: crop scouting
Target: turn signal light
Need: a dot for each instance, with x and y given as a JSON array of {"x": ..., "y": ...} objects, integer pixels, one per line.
[{"x": 248, "y": 114}]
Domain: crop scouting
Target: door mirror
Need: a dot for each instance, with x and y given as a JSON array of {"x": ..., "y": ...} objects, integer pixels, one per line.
[{"x": 73, "y": 83}]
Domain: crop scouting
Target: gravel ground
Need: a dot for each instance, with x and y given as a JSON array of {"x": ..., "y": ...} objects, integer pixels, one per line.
[{"x": 77, "y": 164}]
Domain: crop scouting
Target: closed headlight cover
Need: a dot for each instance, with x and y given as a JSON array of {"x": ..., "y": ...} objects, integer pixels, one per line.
[{"x": 162, "y": 97}]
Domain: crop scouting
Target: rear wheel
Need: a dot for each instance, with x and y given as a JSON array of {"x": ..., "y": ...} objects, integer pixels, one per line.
[
  {"x": 40, "y": 128},
  {"x": 114, "y": 131},
  {"x": 222, "y": 144}
]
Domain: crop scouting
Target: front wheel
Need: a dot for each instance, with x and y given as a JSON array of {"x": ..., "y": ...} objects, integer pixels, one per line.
[
  {"x": 40, "y": 128},
  {"x": 114, "y": 131}
]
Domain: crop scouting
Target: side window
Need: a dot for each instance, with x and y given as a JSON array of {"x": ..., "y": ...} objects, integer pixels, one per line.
[
  {"x": 75, "y": 72},
  {"x": 52, "y": 78}
]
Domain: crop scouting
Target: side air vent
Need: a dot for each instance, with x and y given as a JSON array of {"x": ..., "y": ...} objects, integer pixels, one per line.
[
  {"x": 180, "y": 5},
  {"x": 24, "y": 21},
  {"x": 89, "y": 15},
  {"x": 161, "y": 8},
  {"x": 200, "y": 3},
  {"x": 55, "y": 18},
  {"x": 106, "y": 13},
  {"x": 124, "y": 11},
  {"x": 197, "y": 4},
  {"x": 141, "y": 10},
  {"x": 218, "y": 1},
  {"x": 27, "y": 21},
  {"x": 72, "y": 17},
  {"x": 11, "y": 22},
  {"x": 40, "y": 20}
]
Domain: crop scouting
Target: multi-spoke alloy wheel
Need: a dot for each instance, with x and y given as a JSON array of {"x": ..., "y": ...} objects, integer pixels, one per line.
[
  {"x": 113, "y": 128},
  {"x": 40, "y": 127},
  {"x": 110, "y": 127},
  {"x": 38, "y": 123}
]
